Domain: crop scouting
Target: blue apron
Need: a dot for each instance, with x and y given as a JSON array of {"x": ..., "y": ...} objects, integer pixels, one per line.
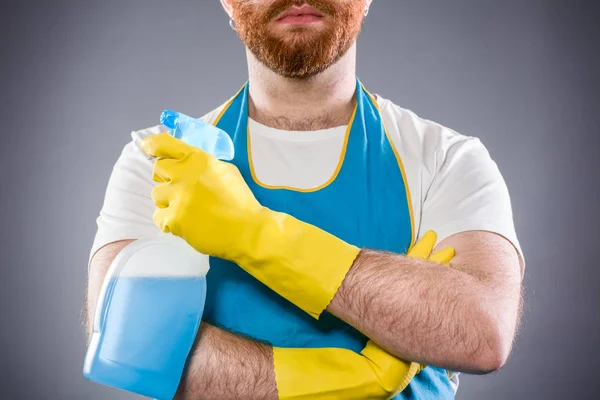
[{"x": 365, "y": 203}]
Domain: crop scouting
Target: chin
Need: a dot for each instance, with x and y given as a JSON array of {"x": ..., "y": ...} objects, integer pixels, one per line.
[{"x": 301, "y": 36}]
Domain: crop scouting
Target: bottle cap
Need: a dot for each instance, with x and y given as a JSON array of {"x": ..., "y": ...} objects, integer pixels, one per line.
[{"x": 169, "y": 118}]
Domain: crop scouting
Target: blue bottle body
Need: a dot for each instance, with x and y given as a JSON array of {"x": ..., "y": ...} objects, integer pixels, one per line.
[{"x": 148, "y": 327}]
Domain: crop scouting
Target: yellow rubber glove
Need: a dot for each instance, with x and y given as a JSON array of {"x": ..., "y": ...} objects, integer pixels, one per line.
[
  {"x": 207, "y": 203},
  {"x": 333, "y": 373}
]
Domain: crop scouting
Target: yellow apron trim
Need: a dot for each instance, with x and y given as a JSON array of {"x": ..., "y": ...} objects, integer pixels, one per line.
[
  {"x": 335, "y": 173},
  {"x": 226, "y": 106},
  {"x": 401, "y": 165}
]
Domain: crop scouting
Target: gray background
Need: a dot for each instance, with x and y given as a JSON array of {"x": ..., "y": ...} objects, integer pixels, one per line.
[{"x": 78, "y": 76}]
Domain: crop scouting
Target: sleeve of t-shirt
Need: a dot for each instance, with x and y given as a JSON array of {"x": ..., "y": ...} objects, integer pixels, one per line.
[
  {"x": 128, "y": 208},
  {"x": 468, "y": 193}
]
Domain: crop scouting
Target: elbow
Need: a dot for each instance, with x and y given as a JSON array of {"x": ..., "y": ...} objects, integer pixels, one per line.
[
  {"x": 494, "y": 343},
  {"x": 491, "y": 359}
]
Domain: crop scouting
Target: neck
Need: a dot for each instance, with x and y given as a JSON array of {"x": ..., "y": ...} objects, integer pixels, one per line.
[{"x": 320, "y": 102}]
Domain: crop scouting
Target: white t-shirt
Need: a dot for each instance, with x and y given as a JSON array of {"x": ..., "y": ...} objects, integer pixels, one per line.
[{"x": 454, "y": 184}]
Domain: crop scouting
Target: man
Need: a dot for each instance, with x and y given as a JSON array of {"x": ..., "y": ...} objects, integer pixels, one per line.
[{"x": 308, "y": 228}]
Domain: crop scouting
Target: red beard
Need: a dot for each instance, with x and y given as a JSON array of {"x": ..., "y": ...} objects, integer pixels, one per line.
[{"x": 302, "y": 52}]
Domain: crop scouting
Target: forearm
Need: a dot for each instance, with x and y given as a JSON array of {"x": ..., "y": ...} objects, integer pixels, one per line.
[
  {"x": 225, "y": 366},
  {"x": 425, "y": 312}
]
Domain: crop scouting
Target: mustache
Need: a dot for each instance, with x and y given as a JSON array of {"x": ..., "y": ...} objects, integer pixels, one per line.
[{"x": 280, "y": 6}]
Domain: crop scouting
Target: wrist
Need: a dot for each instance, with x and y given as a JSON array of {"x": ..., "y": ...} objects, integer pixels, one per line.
[
  {"x": 251, "y": 248},
  {"x": 271, "y": 236}
]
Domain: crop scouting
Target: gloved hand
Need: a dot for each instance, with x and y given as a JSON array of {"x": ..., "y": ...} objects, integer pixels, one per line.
[
  {"x": 206, "y": 202},
  {"x": 333, "y": 373}
]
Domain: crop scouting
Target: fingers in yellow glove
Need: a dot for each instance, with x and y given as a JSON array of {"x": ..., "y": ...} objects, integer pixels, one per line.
[
  {"x": 163, "y": 168},
  {"x": 423, "y": 248},
  {"x": 166, "y": 146},
  {"x": 443, "y": 256},
  {"x": 195, "y": 186}
]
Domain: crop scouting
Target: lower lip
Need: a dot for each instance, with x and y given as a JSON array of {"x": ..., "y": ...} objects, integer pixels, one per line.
[{"x": 300, "y": 19}]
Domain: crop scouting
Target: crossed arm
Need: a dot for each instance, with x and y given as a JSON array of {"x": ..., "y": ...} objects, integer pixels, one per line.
[
  {"x": 462, "y": 318},
  {"x": 222, "y": 365}
]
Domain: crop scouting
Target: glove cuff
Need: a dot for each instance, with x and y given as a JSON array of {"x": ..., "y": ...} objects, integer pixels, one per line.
[{"x": 299, "y": 261}]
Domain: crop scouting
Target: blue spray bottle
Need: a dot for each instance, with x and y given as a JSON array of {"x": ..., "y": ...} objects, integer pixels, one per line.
[{"x": 151, "y": 302}]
